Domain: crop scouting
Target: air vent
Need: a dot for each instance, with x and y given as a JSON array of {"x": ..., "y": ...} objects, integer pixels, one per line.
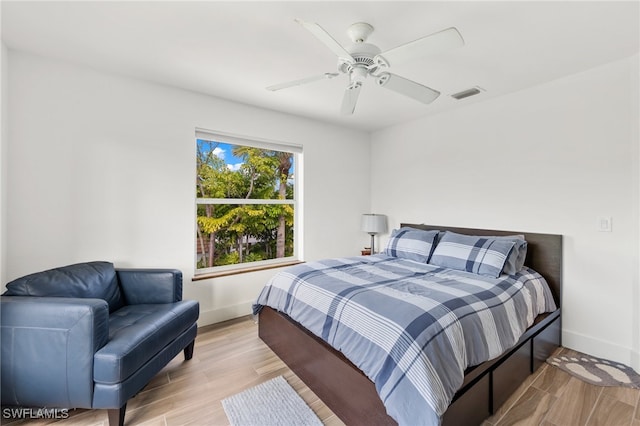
[{"x": 466, "y": 93}]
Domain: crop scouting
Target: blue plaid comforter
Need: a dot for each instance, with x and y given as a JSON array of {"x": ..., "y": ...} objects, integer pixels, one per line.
[{"x": 412, "y": 328}]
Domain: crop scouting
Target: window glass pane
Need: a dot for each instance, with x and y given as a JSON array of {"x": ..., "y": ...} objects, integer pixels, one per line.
[
  {"x": 230, "y": 234},
  {"x": 237, "y": 171},
  {"x": 233, "y": 224}
]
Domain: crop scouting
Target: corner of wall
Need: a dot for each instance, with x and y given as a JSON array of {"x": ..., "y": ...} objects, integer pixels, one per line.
[
  {"x": 635, "y": 137},
  {"x": 4, "y": 142}
]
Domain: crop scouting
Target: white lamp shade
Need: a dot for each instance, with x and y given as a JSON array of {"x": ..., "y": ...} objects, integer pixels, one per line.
[{"x": 374, "y": 223}]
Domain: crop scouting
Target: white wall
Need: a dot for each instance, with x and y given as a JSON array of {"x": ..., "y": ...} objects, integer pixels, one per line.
[
  {"x": 635, "y": 110},
  {"x": 103, "y": 167},
  {"x": 550, "y": 159},
  {"x": 4, "y": 142}
]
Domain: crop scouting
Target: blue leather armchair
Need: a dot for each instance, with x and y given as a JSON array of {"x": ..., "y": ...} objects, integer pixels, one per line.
[{"x": 91, "y": 336}]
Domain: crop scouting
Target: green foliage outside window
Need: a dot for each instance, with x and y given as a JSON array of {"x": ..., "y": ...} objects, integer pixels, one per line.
[{"x": 232, "y": 227}]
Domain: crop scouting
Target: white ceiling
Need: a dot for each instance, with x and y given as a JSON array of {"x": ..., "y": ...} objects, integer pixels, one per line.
[{"x": 234, "y": 50}]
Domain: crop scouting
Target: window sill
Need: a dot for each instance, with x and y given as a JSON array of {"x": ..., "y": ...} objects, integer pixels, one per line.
[{"x": 210, "y": 275}]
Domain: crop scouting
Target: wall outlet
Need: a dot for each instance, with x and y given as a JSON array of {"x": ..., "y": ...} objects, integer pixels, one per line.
[{"x": 604, "y": 223}]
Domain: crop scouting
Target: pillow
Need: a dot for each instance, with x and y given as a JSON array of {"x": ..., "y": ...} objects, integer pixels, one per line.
[
  {"x": 411, "y": 243},
  {"x": 515, "y": 260},
  {"x": 480, "y": 255},
  {"x": 95, "y": 280}
]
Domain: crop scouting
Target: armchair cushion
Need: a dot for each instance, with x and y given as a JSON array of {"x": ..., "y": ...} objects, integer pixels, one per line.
[
  {"x": 135, "y": 332},
  {"x": 93, "y": 280}
]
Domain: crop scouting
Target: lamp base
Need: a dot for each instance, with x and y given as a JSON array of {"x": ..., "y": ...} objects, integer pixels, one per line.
[{"x": 373, "y": 242}]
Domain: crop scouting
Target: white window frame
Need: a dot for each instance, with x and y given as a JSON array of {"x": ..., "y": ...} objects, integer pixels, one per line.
[{"x": 296, "y": 202}]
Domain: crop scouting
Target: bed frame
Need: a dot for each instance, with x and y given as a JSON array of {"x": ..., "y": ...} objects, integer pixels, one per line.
[{"x": 353, "y": 397}]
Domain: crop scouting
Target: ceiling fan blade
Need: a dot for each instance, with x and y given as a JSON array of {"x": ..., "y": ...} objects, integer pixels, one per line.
[
  {"x": 433, "y": 43},
  {"x": 407, "y": 87},
  {"x": 350, "y": 98},
  {"x": 327, "y": 75},
  {"x": 326, "y": 39}
]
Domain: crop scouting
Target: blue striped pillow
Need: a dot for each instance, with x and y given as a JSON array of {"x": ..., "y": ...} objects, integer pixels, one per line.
[
  {"x": 516, "y": 258},
  {"x": 480, "y": 255},
  {"x": 411, "y": 243}
]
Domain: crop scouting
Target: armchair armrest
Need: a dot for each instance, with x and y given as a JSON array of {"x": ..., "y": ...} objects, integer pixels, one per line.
[
  {"x": 48, "y": 345},
  {"x": 150, "y": 285}
]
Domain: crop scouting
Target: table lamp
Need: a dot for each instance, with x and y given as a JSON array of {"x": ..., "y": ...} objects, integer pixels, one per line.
[{"x": 374, "y": 224}]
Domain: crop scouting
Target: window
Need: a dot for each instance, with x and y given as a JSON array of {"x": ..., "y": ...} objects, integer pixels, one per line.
[{"x": 247, "y": 202}]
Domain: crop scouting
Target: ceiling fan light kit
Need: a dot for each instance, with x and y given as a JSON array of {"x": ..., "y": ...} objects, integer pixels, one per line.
[{"x": 362, "y": 59}]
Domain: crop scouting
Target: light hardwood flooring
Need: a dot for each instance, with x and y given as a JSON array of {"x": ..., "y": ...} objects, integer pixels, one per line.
[
  {"x": 552, "y": 397},
  {"x": 229, "y": 357}
]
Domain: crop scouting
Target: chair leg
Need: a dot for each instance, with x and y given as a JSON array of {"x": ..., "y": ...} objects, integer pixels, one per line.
[
  {"x": 188, "y": 351},
  {"x": 116, "y": 416}
]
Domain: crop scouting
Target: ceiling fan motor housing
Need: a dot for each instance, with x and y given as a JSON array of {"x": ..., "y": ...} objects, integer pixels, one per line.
[{"x": 363, "y": 55}]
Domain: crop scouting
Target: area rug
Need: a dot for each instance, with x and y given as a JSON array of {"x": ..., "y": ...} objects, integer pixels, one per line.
[
  {"x": 273, "y": 403},
  {"x": 596, "y": 371}
]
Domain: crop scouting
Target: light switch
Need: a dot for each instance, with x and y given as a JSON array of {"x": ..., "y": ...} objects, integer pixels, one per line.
[{"x": 604, "y": 223}]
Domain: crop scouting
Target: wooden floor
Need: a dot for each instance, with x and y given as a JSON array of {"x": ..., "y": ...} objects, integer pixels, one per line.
[
  {"x": 229, "y": 358},
  {"x": 552, "y": 397}
]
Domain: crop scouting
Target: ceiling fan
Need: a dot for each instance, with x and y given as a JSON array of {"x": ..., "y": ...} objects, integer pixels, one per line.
[{"x": 362, "y": 59}]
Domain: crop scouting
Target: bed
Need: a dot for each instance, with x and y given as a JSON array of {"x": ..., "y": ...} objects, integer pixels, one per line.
[{"x": 485, "y": 387}]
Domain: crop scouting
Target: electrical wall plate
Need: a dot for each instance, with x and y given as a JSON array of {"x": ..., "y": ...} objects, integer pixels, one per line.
[{"x": 604, "y": 223}]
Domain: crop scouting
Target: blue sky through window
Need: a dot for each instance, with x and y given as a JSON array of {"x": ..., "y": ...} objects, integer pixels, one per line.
[{"x": 224, "y": 151}]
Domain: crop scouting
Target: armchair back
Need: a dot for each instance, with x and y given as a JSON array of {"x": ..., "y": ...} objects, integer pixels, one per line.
[{"x": 90, "y": 280}]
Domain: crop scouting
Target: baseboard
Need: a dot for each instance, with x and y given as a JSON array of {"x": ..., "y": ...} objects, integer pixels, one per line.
[
  {"x": 635, "y": 361},
  {"x": 600, "y": 348},
  {"x": 214, "y": 316}
]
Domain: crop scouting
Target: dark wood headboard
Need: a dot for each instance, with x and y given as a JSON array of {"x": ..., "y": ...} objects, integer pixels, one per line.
[{"x": 544, "y": 252}]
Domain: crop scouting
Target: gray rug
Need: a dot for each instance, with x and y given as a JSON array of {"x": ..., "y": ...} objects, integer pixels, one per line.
[
  {"x": 272, "y": 403},
  {"x": 596, "y": 371}
]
